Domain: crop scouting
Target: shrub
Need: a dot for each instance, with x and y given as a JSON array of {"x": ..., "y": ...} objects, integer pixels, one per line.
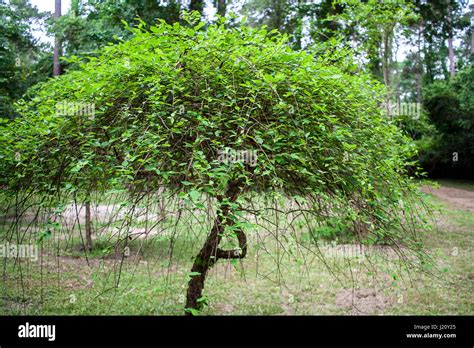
[{"x": 170, "y": 100}]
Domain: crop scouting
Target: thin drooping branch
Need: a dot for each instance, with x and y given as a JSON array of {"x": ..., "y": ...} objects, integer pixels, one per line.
[{"x": 88, "y": 246}]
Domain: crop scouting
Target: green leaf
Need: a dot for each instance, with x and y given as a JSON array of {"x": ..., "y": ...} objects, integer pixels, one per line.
[{"x": 195, "y": 195}]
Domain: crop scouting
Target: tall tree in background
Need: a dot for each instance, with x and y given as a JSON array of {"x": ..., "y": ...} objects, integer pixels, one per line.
[
  {"x": 197, "y": 5},
  {"x": 271, "y": 13},
  {"x": 452, "y": 69},
  {"x": 466, "y": 50},
  {"x": 92, "y": 24},
  {"x": 411, "y": 77},
  {"x": 289, "y": 17},
  {"x": 376, "y": 24},
  {"x": 325, "y": 25},
  {"x": 441, "y": 21},
  {"x": 433, "y": 33},
  {"x": 23, "y": 61},
  {"x": 419, "y": 27},
  {"x": 221, "y": 6},
  {"x": 471, "y": 7},
  {"x": 57, "y": 41}
]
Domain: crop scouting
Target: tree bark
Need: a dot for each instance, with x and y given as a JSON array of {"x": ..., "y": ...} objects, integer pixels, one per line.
[
  {"x": 472, "y": 34},
  {"x": 210, "y": 253},
  {"x": 386, "y": 63},
  {"x": 452, "y": 69},
  {"x": 471, "y": 7},
  {"x": 386, "y": 60},
  {"x": 221, "y": 7},
  {"x": 419, "y": 66},
  {"x": 472, "y": 43},
  {"x": 197, "y": 5},
  {"x": 57, "y": 42}
]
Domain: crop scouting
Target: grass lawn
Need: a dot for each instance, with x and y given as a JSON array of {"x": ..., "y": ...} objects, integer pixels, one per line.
[{"x": 276, "y": 278}]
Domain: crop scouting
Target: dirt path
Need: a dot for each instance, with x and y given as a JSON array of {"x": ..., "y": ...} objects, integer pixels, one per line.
[{"x": 458, "y": 198}]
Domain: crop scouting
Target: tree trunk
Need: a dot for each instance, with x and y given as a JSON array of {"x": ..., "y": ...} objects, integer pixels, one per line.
[
  {"x": 210, "y": 253},
  {"x": 471, "y": 7},
  {"x": 221, "y": 7},
  {"x": 197, "y": 5},
  {"x": 472, "y": 43},
  {"x": 57, "y": 43},
  {"x": 88, "y": 245},
  {"x": 386, "y": 60},
  {"x": 452, "y": 69},
  {"x": 472, "y": 35},
  {"x": 419, "y": 66}
]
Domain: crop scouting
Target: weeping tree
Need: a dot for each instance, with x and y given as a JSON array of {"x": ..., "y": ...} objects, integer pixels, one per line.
[{"x": 227, "y": 114}]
